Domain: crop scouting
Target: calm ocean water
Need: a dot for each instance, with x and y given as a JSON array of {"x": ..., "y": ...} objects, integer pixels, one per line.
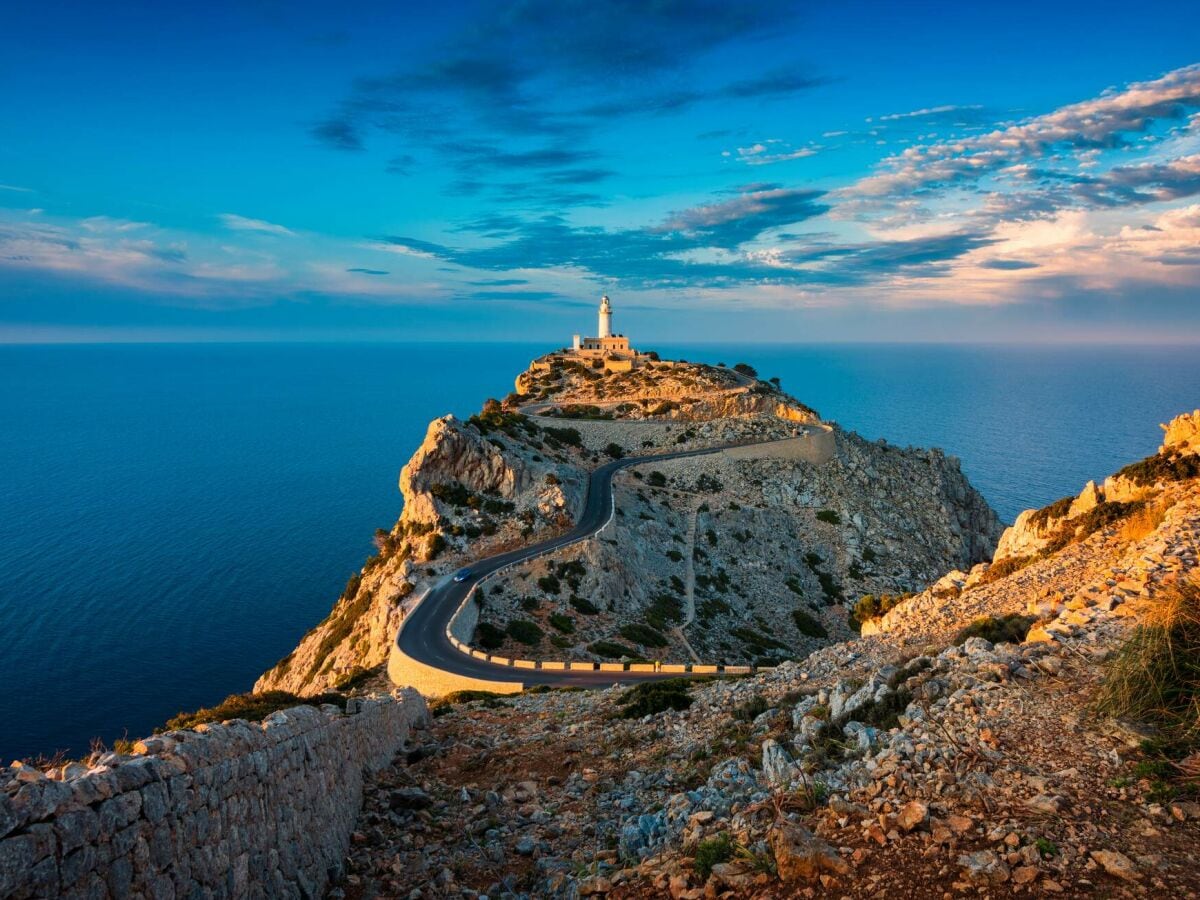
[{"x": 174, "y": 517}]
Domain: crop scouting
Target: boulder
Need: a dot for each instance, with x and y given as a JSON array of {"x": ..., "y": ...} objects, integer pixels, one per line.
[{"x": 801, "y": 856}]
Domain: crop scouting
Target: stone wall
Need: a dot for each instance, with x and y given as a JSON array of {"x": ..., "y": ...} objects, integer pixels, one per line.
[{"x": 238, "y": 809}]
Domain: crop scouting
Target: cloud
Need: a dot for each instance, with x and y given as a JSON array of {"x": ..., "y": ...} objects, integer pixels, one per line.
[
  {"x": 16, "y": 189},
  {"x": 543, "y": 76},
  {"x": 1106, "y": 122},
  {"x": 234, "y": 222},
  {"x": 1009, "y": 265},
  {"x": 764, "y": 153},
  {"x": 362, "y": 271},
  {"x": 941, "y": 113}
]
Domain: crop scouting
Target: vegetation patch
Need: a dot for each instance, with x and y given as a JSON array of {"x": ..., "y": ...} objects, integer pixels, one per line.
[
  {"x": 711, "y": 852},
  {"x": 489, "y": 636},
  {"x": 643, "y": 634},
  {"x": 563, "y": 623},
  {"x": 830, "y": 516},
  {"x": 524, "y": 631},
  {"x": 808, "y": 624},
  {"x": 251, "y": 707},
  {"x": 1161, "y": 467},
  {"x": 1055, "y": 510},
  {"x": 1008, "y": 629},
  {"x": 653, "y": 697},
  {"x": 1155, "y": 678},
  {"x": 663, "y": 610},
  {"x": 583, "y": 606}
]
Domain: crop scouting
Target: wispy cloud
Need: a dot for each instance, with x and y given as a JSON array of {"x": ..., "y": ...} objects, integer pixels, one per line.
[{"x": 234, "y": 222}]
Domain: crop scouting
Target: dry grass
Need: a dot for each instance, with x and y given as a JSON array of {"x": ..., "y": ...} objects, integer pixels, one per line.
[
  {"x": 1156, "y": 676},
  {"x": 1143, "y": 522}
]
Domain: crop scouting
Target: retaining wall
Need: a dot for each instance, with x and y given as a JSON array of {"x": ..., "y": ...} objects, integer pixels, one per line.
[{"x": 238, "y": 809}]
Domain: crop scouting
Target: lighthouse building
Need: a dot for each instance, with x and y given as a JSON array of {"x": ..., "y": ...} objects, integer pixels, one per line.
[{"x": 607, "y": 350}]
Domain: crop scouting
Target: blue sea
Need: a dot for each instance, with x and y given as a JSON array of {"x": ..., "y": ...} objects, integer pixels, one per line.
[{"x": 174, "y": 517}]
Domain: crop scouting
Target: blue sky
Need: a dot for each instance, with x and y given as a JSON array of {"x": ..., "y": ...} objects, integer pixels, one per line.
[{"x": 765, "y": 171}]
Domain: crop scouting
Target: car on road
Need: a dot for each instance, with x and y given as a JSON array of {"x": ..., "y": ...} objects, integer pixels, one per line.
[{"x": 462, "y": 575}]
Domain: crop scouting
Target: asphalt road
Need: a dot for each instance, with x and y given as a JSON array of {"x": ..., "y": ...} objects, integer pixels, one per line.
[{"x": 422, "y": 635}]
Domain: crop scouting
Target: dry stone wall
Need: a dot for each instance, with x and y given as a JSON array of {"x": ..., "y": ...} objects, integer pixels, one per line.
[{"x": 237, "y": 809}]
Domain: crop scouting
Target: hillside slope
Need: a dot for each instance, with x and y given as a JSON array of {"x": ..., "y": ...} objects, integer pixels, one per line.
[
  {"x": 753, "y": 554},
  {"x": 939, "y": 756}
]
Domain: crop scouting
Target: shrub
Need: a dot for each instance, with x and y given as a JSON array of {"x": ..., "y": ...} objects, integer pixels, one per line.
[
  {"x": 643, "y": 634},
  {"x": 710, "y": 852},
  {"x": 550, "y": 584},
  {"x": 1161, "y": 467},
  {"x": 653, "y": 697},
  {"x": 615, "y": 450},
  {"x": 610, "y": 650},
  {"x": 656, "y": 479},
  {"x": 830, "y": 516},
  {"x": 252, "y": 707},
  {"x": 563, "y": 623},
  {"x": 1143, "y": 522},
  {"x": 583, "y": 606},
  {"x": 489, "y": 636},
  {"x": 809, "y": 625},
  {"x": 663, "y": 610},
  {"x": 751, "y": 709},
  {"x": 524, "y": 631},
  {"x": 746, "y": 369},
  {"x": 1008, "y": 629},
  {"x": 758, "y": 642},
  {"x": 569, "y": 436},
  {"x": 674, "y": 555},
  {"x": 1155, "y": 678},
  {"x": 552, "y": 479},
  {"x": 436, "y": 545},
  {"x": 1055, "y": 510}
]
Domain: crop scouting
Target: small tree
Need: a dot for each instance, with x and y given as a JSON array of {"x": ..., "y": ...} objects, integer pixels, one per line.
[{"x": 746, "y": 369}]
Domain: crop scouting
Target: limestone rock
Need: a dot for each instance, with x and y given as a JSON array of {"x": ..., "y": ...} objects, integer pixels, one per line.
[{"x": 800, "y": 856}]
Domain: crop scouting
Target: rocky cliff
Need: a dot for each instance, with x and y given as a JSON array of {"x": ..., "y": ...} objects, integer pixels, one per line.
[{"x": 730, "y": 557}]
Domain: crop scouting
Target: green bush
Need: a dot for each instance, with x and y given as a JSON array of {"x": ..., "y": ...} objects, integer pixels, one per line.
[
  {"x": 488, "y": 636},
  {"x": 808, "y": 624},
  {"x": 563, "y": 623},
  {"x": 524, "y": 631},
  {"x": 746, "y": 369},
  {"x": 436, "y": 545},
  {"x": 1055, "y": 510},
  {"x": 663, "y": 610},
  {"x": 569, "y": 436},
  {"x": 710, "y": 852},
  {"x": 830, "y": 516},
  {"x": 550, "y": 584},
  {"x": 643, "y": 634},
  {"x": 1161, "y": 467},
  {"x": 583, "y": 606},
  {"x": 656, "y": 479},
  {"x": 758, "y": 642},
  {"x": 653, "y": 697},
  {"x": 674, "y": 555},
  {"x": 1008, "y": 629},
  {"x": 615, "y": 450}
]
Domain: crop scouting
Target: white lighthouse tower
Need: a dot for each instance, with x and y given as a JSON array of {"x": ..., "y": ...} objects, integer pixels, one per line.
[{"x": 605, "y": 317}]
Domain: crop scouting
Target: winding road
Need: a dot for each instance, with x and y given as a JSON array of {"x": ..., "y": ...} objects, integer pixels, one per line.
[{"x": 422, "y": 635}]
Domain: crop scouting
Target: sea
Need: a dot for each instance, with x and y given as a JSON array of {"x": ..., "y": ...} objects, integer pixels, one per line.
[{"x": 173, "y": 517}]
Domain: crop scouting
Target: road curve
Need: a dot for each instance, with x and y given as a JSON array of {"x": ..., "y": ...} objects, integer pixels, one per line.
[{"x": 422, "y": 634}]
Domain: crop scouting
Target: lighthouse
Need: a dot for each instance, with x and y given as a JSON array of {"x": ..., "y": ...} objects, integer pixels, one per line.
[{"x": 605, "y": 317}]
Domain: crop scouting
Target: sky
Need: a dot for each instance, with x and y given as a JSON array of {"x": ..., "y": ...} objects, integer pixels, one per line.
[{"x": 760, "y": 171}]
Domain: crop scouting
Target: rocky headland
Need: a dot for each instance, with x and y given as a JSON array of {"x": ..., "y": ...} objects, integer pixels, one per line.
[{"x": 737, "y": 557}]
